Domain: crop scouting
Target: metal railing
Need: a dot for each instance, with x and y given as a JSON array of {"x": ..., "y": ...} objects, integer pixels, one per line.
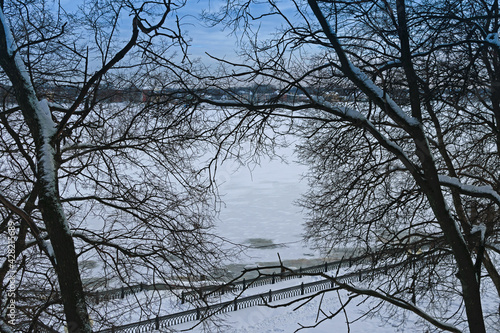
[
  {"x": 200, "y": 313},
  {"x": 218, "y": 290},
  {"x": 192, "y": 295}
]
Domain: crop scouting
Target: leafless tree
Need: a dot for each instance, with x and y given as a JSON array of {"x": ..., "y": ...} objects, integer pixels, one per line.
[
  {"x": 98, "y": 159},
  {"x": 398, "y": 105}
]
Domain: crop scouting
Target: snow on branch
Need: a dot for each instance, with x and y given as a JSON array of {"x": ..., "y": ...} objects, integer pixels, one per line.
[
  {"x": 401, "y": 304},
  {"x": 359, "y": 78},
  {"x": 485, "y": 191},
  {"x": 357, "y": 118},
  {"x": 481, "y": 229},
  {"x": 380, "y": 94},
  {"x": 36, "y": 114},
  {"x": 45, "y": 118}
]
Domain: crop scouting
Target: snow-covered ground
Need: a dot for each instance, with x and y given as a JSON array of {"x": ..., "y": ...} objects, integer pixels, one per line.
[{"x": 288, "y": 319}]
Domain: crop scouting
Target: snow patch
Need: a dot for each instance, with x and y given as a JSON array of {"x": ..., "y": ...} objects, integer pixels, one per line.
[
  {"x": 479, "y": 228},
  {"x": 47, "y": 125},
  {"x": 50, "y": 251}
]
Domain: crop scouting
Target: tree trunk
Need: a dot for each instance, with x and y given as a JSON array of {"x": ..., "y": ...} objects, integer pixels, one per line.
[
  {"x": 466, "y": 271},
  {"x": 41, "y": 127}
]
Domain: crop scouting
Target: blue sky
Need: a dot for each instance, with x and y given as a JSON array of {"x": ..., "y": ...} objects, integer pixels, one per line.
[
  {"x": 218, "y": 40},
  {"x": 215, "y": 40}
]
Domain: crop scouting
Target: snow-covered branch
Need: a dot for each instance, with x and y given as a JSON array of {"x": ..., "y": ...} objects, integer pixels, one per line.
[
  {"x": 400, "y": 303},
  {"x": 474, "y": 191},
  {"x": 359, "y": 78},
  {"x": 358, "y": 119}
]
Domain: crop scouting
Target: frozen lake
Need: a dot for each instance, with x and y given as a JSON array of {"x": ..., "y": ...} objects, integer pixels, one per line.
[{"x": 259, "y": 209}]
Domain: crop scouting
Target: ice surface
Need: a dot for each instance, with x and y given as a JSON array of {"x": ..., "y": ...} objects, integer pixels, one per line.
[{"x": 259, "y": 204}]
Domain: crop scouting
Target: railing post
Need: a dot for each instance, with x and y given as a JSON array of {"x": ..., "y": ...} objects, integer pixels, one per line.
[
  {"x": 302, "y": 288},
  {"x": 300, "y": 271},
  {"x": 360, "y": 274},
  {"x": 113, "y": 329},
  {"x": 270, "y": 299},
  {"x": 244, "y": 283},
  {"x": 123, "y": 292},
  {"x": 198, "y": 315},
  {"x": 326, "y": 267},
  {"x": 235, "y": 304},
  {"x": 274, "y": 278},
  {"x": 141, "y": 286},
  {"x": 157, "y": 323},
  {"x": 183, "y": 297}
]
